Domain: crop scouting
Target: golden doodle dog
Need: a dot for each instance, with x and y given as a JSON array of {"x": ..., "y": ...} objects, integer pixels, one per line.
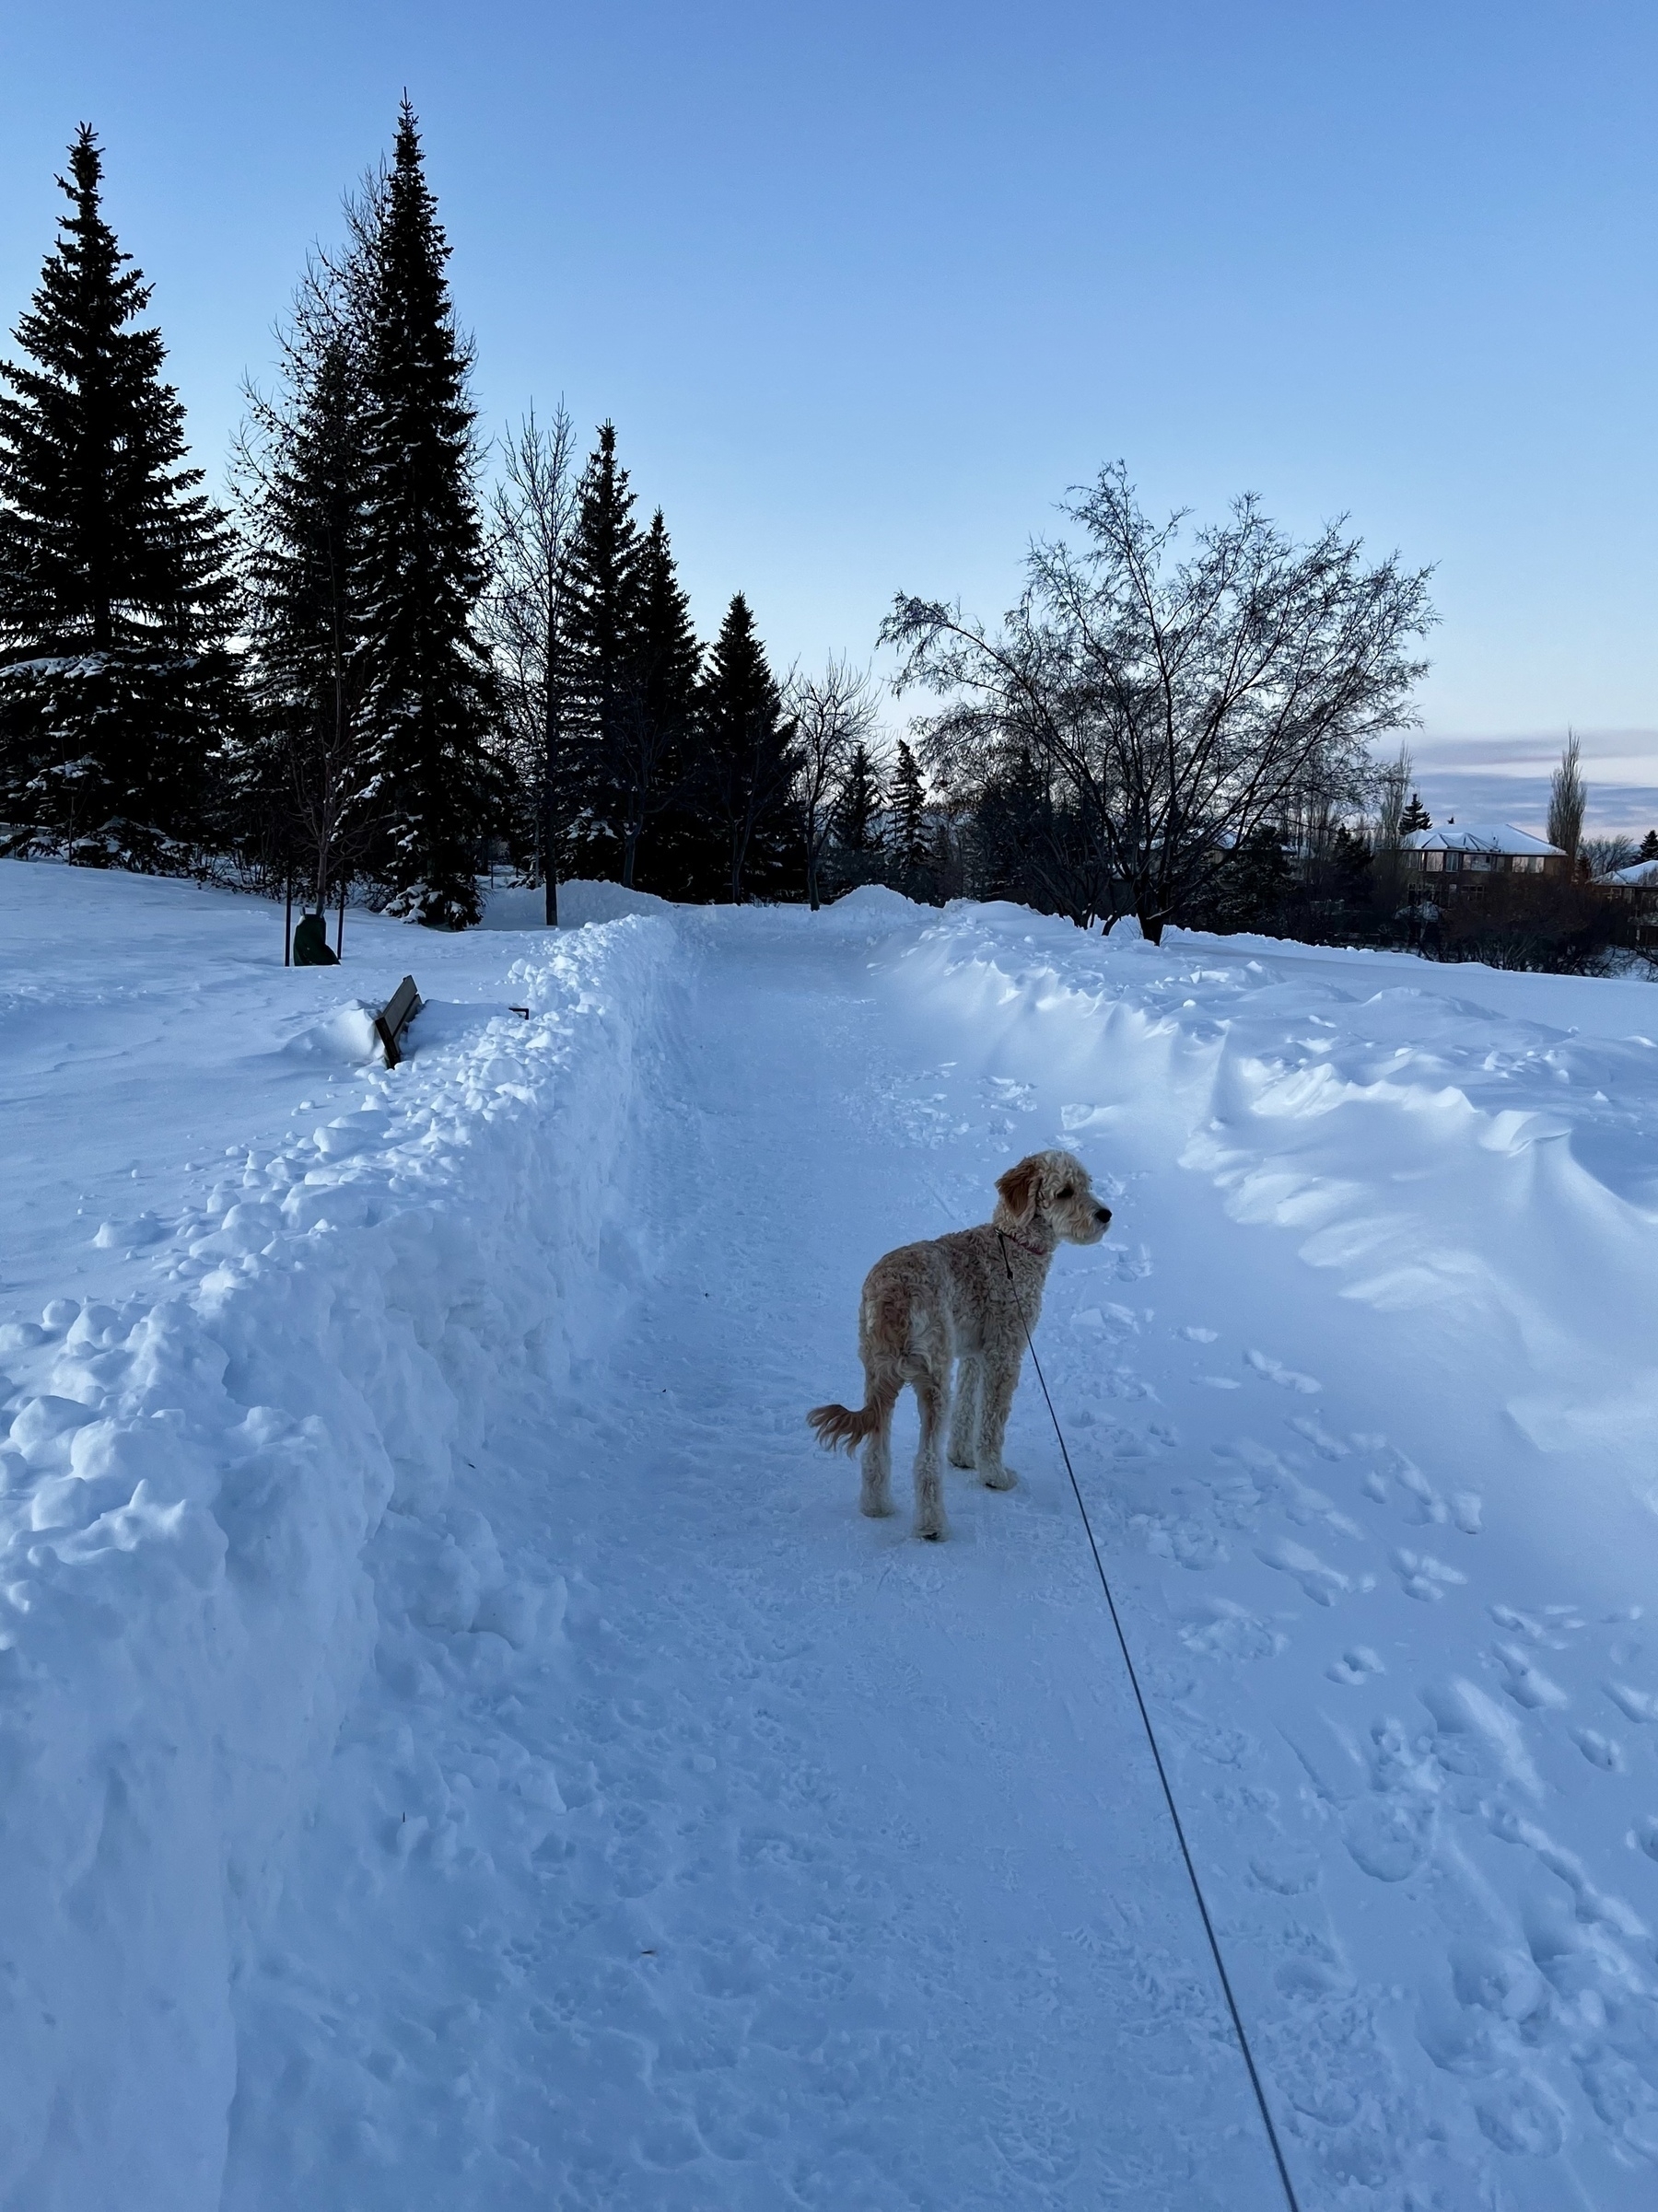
[{"x": 926, "y": 1306}]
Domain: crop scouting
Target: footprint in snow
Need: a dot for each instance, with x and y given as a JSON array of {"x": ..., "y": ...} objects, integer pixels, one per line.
[
  {"x": 1524, "y": 1683},
  {"x": 1430, "y": 1505},
  {"x": 1389, "y": 1836},
  {"x": 1286, "y": 1378},
  {"x": 1467, "y": 1508},
  {"x": 1558, "y": 1623},
  {"x": 1600, "y": 1751},
  {"x": 1422, "y": 1576},
  {"x": 1319, "y": 1582},
  {"x": 1521, "y": 2116},
  {"x": 1188, "y": 1541},
  {"x": 1286, "y": 1868},
  {"x": 1326, "y": 1446},
  {"x": 1634, "y": 1704},
  {"x": 1356, "y": 1665},
  {"x": 1194, "y": 1335}
]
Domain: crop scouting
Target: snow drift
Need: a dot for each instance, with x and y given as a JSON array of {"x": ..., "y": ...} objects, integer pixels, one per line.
[{"x": 189, "y": 1483}]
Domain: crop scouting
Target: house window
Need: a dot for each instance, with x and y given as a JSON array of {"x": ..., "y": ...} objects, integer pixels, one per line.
[{"x": 1433, "y": 862}]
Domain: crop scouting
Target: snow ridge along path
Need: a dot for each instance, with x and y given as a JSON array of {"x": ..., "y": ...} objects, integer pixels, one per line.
[
  {"x": 194, "y": 1481},
  {"x": 532, "y": 1784}
]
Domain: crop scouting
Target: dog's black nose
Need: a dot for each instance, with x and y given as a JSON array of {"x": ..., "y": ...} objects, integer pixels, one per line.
[{"x": 1102, "y": 1216}]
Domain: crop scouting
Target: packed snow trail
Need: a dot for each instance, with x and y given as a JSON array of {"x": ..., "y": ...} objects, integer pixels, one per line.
[
  {"x": 462, "y": 1747},
  {"x": 855, "y": 1890}
]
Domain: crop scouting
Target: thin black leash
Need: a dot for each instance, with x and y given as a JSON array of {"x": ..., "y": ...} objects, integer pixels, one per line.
[{"x": 1209, "y": 1926}]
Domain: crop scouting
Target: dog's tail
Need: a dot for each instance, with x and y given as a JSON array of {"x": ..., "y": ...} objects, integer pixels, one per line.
[{"x": 839, "y": 1425}]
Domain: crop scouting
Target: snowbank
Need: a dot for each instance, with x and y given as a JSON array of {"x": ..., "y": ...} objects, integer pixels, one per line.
[
  {"x": 580, "y": 902},
  {"x": 188, "y": 1486}
]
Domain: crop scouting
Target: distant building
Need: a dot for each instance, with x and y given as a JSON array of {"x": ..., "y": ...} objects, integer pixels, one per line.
[
  {"x": 1637, "y": 886},
  {"x": 1468, "y": 858},
  {"x": 1641, "y": 875}
]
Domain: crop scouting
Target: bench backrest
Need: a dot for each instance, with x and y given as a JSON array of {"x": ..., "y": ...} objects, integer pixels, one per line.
[{"x": 394, "y": 1018}]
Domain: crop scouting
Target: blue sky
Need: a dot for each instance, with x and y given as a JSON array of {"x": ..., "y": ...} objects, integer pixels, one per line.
[{"x": 866, "y": 289}]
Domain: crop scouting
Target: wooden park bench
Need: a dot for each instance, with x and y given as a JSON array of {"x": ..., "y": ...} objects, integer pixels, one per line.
[{"x": 394, "y": 1018}]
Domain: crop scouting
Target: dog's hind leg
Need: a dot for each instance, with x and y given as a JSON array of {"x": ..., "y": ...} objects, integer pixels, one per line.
[
  {"x": 963, "y": 1413},
  {"x": 875, "y": 1499},
  {"x": 997, "y": 1381},
  {"x": 932, "y": 1396}
]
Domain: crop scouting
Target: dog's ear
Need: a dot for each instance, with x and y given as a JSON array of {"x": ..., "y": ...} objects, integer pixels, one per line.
[{"x": 1016, "y": 1188}]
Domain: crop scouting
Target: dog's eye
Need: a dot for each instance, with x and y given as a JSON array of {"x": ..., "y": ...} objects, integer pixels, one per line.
[{"x": 1067, "y": 1193}]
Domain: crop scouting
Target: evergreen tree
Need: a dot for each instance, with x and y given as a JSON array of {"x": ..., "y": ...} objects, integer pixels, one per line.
[
  {"x": 1415, "y": 818},
  {"x": 1013, "y": 830},
  {"x": 859, "y": 807},
  {"x": 303, "y": 493},
  {"x": 1254, "y": 882},
  {"x": 604, "y": 647},
  {"x": 748, "y": 746},
  {"x": 1350, "y": 863},
  {"x": 653, "y": 767},
  {"x": 430, "y": 706},
  {"x": 909, "y": 814},
  {"x": 1649, "y": 846},
  {"x": 115, "y": 593}
]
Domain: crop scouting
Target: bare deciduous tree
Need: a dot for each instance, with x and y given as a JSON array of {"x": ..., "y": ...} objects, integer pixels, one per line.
[
  {"x": 1605, "y": 855},
  {"x": 1393, "y": 795},
  {"x": 525, "y": 616},
  {"x": 834, "y": 713},
  {"x": 1179, "y": 702}
]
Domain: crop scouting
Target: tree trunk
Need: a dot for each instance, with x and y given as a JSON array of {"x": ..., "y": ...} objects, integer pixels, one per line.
[
  {"x": 549, "y": 853},
  {"x": 630, "y": 845}
]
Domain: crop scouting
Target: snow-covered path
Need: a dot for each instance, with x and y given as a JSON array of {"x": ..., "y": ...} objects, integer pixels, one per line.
[
  {"x": 859, "y": 1895},
  {"x": 487, "y": 1757}
]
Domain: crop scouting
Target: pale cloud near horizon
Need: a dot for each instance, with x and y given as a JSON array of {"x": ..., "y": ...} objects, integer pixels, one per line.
[{"x": 1505, "y": 776}]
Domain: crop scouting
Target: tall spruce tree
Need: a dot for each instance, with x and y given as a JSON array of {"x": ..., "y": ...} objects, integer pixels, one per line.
[
  {"x": 748, "y": 746},
  {"x": 604, "y": 652},
  {"x": 430, "y": 706},
  {"x": 909, "y": 814},
  {"x": 653, "y": 766},
  {"x": 858, "y": 808},
  {"x": 116, "y": 592},
  {"x": 303, "y": 491}
]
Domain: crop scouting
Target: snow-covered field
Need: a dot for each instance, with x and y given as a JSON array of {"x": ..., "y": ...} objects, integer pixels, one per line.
[{"x": 460, "y": 1746}]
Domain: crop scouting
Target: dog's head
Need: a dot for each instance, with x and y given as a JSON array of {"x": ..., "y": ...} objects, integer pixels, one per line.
[{"x": 1051, "y": 1188}]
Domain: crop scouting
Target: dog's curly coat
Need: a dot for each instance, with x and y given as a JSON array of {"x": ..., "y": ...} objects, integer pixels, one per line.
[{"x": 926, "y": 1305}]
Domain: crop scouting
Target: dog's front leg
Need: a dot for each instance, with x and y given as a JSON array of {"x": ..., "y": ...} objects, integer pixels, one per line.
[
  {"x": 963, "y": 1418},
  {"x": 999, "y": 1378}
]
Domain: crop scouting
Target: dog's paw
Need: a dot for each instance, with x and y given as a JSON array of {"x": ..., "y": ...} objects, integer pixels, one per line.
[
  {"x": 876, "y": 1509},
  {"x": 968, "y": 1463},
  {"x": 932, "y": 1535},
  {"x": 1001, "y": 1478}
]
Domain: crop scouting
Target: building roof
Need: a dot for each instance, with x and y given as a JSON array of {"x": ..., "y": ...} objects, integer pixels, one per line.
[
  {"x": 1642, "y": 876},
  {"x": 1480, "y": 837}
]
